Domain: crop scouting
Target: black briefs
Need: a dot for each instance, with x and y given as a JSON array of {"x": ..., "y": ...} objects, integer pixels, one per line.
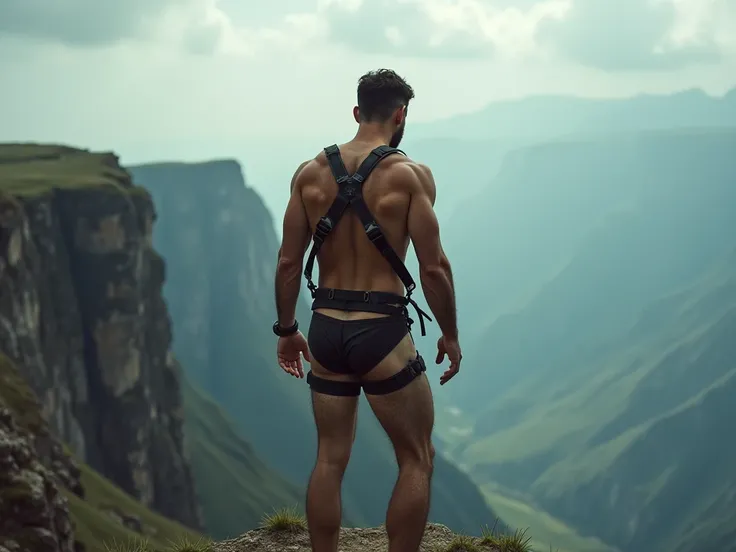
[{"x": 354, "y": 346}]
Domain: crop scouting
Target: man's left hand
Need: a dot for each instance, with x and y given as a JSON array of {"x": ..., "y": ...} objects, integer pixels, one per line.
[{"x": 288, "y": 352}]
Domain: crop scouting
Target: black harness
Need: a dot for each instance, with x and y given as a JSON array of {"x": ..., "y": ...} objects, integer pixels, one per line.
[{"x": 350, "y": 194}]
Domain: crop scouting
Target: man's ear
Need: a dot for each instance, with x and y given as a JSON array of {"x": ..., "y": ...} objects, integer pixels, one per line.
[
  {"x": 356, "y": 114},
  {"x": 400, "y": 115}
]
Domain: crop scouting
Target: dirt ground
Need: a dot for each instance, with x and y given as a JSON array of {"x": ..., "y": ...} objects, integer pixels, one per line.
[{"x": 437, "y": 538}]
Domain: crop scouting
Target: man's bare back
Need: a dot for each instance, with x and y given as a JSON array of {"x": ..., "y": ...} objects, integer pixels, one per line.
[
  {"x": 360, "y": 204},
  {"x": 348, "y": 260}
]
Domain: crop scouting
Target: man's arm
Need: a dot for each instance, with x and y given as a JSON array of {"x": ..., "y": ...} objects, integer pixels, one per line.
[
  {"x": 294, "y": 242},
  {"x": 434, "y": 267}
]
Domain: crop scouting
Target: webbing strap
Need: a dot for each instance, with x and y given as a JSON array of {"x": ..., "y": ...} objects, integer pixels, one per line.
[
  {"x": 336, "y": 165},
  {"x": 346, "y": 189},
  {"x": 350, "y": 194},
  {"x": 378, "y": 239},
  {"x": 349, "y": 189},
  {"x": 370, "y": 162},
  {"x": 414, "y": 369}
]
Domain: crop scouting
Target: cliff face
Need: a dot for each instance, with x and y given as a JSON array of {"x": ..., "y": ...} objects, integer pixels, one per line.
[
  {"x": 220, "y": 246},
  {"x": 81, "y": 314}
]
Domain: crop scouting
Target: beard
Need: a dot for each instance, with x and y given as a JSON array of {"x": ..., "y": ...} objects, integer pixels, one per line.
[{"x": 398, "y": 135}]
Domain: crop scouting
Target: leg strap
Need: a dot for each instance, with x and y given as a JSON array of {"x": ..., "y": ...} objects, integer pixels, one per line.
[
  {"x": 398, "y": 380},
  {"x": 331, "y": 387}
]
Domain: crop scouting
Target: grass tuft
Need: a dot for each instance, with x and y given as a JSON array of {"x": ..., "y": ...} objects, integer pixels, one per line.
[
  {"x": 518, "y": 541},
  {"x": 284, "y": 519},
  {"x": 489, "y": 535},
  {"x": 461, "y": 543}
]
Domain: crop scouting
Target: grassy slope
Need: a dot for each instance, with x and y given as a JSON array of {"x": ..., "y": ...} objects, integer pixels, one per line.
[
  {"x": 585, "y": 404},
  {"x": 96, "y": 528},
  {"x": 224, "y": 465},
  {"x": 658, "y": 180},
  {"x": 93, "y": 524},
  {"x": 585, "y": 365},
  {"x": 593, "y": 423},
  {"x": 28, "y": 169},
  {"x": 548, "y": 531},
  {"x": 634, "y": 423}
]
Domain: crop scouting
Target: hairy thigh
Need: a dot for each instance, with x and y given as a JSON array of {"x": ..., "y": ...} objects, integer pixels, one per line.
[
  {"x": 335, "y": 418},
  {"x": 407, "y": 416}
]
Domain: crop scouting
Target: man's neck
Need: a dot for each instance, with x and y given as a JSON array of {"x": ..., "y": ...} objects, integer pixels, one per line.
[{"x": 373, "y": 133}]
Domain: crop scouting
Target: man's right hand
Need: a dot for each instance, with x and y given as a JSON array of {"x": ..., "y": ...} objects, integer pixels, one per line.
[{"x": 450, "y": 347}]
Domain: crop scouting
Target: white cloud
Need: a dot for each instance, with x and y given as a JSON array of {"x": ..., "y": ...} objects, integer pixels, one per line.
[
  {"x": 707, "y": 24},
  {"x": 438, "y": 28},
  {"x": 608, "y": 34},
  {"x": 642, "y": 34}
]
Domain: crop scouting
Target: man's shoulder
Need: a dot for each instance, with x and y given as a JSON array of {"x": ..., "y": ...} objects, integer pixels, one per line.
[
  {"x": 305, "y": 170},
  {"x": 411, "y": 171}
]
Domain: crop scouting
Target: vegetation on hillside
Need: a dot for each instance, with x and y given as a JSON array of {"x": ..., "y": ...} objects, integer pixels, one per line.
[
  {"x": 30, "y": 169},
  {"x": 611, "y": 364},
  {"x": 105, "y": 513},
  {"x": 234, "y": 486}
]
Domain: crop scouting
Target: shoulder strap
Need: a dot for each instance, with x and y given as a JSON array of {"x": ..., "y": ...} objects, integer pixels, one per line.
[
  {"x": 334, "y": 159},
  {"x": 378, "y": 239},
  {"x": 326, "y": 223},
  {"x": 349, "y": 193},
  {"x": 370, "y": 162}
]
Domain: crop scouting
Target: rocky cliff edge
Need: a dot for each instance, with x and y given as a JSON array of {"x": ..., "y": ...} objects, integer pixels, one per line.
[{"x": 82, "y": 317}]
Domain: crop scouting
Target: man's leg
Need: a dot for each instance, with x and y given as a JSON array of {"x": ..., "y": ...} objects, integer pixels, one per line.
[
  {"x": 407, "y": 415},
  {"x": 335, "y": 417}
]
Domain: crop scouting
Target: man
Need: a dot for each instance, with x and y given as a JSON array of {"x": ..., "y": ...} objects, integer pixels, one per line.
[{"x": 362, "y": 203}]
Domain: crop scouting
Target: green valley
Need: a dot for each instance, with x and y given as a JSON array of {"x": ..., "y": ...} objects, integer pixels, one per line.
[{"x": 597, "y": 388}]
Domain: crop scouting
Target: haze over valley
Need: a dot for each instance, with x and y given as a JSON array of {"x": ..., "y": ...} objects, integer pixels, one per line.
[{"x": 587, "y": 202}]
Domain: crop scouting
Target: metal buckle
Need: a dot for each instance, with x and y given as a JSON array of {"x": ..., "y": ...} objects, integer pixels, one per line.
[
  {"x": 366, "y": 296},
  {"x": 414, "y": 369},
  {"x": 331, "y": 294},
  {"x": 324, "y": 226},
  {"x": 373, "y": 232}
]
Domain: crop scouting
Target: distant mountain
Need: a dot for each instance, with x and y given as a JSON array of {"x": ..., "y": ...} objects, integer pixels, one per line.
[
  {"x": 546, "y": 117},
  {"x": 466, "y": 151},
  {"x": 641, "y": 424},
  {"x": 548, "y": 198},
  {"x": 220, "y": 247},
  {"x": 602, "y": 303}
]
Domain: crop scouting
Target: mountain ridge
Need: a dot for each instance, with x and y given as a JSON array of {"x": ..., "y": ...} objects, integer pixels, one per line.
[{"x": 620, "y": 328}]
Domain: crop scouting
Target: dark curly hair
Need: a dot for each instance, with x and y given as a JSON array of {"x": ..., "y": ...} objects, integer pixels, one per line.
[{"x": 380, "y": 93}]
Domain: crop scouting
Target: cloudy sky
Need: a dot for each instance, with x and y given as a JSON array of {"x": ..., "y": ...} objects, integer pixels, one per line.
[{"x": 189, "y": 78}]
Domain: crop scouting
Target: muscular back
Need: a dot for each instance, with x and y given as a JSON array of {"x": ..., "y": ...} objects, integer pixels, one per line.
[{"x": 348, "y": 260}]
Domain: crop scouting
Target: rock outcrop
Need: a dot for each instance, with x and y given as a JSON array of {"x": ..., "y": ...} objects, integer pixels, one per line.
[
  {"x": 437, "y": 538},
  {"x": 32, "y": 508},
  {"x": 34, "y": 471},
  {"x": 81, "y": 313}
]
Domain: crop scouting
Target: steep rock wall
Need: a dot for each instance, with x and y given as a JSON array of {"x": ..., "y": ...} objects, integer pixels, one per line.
[{"x": 81, "y": 313}]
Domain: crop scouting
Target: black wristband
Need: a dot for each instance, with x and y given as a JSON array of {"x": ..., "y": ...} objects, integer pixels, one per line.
[{"x": 285, "y": 332}]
